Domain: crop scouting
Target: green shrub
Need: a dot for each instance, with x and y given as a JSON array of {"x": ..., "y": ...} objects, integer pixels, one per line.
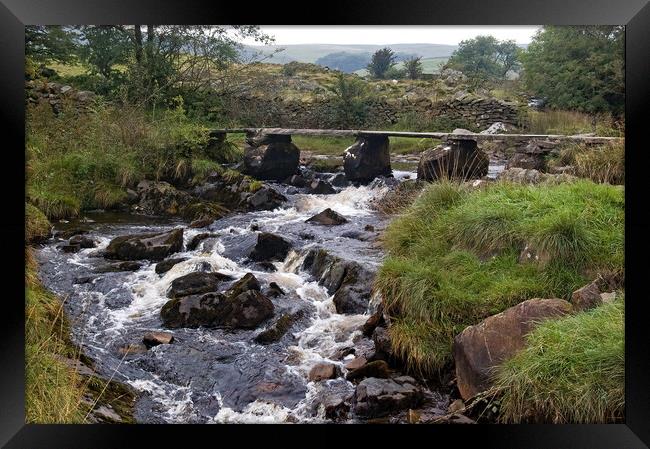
[
  {"x": 453, "y": 256},
  {"x": 572, "y": 371}
]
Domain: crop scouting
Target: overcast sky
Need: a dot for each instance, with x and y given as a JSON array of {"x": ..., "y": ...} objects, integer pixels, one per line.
[{"x": 379, "y": 35}]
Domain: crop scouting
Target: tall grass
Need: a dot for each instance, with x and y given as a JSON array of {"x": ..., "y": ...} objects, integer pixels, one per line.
[
  {"x": 80, "y": 160},
  {"x": 571, "y": 371},
  {"x": 555, "y": 121},
  {"x": 453, "y": 256},
  {"x": 602, "y": 163}
]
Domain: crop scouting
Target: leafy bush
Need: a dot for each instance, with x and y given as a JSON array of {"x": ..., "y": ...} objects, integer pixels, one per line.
[
  {"x": 572, "y": 371},
  {"x": 453, "y": 256}
]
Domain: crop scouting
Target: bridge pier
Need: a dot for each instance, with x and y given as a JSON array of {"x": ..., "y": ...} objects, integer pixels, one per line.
[
  {"x": 270, "y": 156},
  {"x": 367, "y": 158}
]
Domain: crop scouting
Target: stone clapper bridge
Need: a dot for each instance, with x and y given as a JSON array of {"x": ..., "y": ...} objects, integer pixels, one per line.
[{"x": 270, "y": 154}]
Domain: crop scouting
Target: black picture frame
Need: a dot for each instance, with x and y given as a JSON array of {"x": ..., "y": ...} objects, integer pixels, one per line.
[{"x": 14, "y": 14}]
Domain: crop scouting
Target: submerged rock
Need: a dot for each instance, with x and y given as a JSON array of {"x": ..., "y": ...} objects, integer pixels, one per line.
[
  {"x": 152, "y": 339},
  {"x": 480, "y": 348},
  {"x": 265, "y": 198},
  {"x": 278, "y": 329},
  {"x": 328, "y": 217},
  {"x": 82, "y": 241},
  {"x": 155, "y": 246},
  {"x": 167, "y": 264},
  {"x": 197, "y": 239},
  {"x": 320, "y": 187},
  {"x": 270, "y": 247}
]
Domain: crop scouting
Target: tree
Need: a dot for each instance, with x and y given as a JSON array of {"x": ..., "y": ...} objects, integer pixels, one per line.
[
  {"x": 350, "y": 101},
  {"x": 578, "y": 67},
  {"x": 413, "y": 67},
  {"x": 381, "y": 61},
  {"x": 53, "y": 43},
  {"x": 484, "y": 58},
  {"x": 106, "y": 46}
]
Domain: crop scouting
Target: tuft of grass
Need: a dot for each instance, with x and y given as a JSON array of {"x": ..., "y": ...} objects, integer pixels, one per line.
[
  {"x": 555, "y": 121},
  {"x": 603, "y": 163},
  {"x": 572, "y": 371},
  {"x": 453, "y": 256},
  {"x": 37, "y": 226}
]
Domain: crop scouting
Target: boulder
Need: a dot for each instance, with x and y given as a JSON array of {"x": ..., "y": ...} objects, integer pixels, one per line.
[
  {"x": 367, "y": 158},
  {"x": 356, "y": 363},
  {"x": 153, "y": 246},
  {"x": 247, "y": 282},
  {"x": 269, "y": 156},
  {"x": 120, "y": 266},
  {"x": 353, "y": 295},
  {"x": 338, "y": 180},
  {"x": 274, "y": 290},
  {"x": 383, "y": 346},
  {"x": 522, "y": 175},
  {"x": 152, "y": 339},
  {"x": 528, "y": 161},
  {"x": 201, "y": 223},
  {"x": 324, "y": 371},
  {"x": 244, "y": 311},
  {"x": 379, "y": 397},
  {"x": 376, "y": 368},
  {"x": 320, "y": 187},
  {"x": 328, "y": 217},
  {"x": 82, "y": 241},
  {"x": 265, "y": 198},
  {"x": 296, "y": 181},
  {"x": 270, "y": 247},
  {"x": 166, "y": 265},
  {"x": 333, "y": 399},
  {"x": 480, "y": 348},
  {"x": 196, "y": 283},
  {"x": 376, "y": 319},
  {"x": 457, "y": 158},
  {"x": 587, "y": 297}
]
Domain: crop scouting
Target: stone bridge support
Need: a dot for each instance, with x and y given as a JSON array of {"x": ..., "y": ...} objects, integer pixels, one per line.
[
  {"x": 270, "y": 156},
  {"x": 367, "y": 158}
]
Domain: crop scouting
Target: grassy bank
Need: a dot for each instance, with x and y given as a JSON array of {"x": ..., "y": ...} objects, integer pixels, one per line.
[
  {"x": 453, "y": 256},
  {"x": 78, "y": 161},
  {"x": 53, "y": 391},
  {"x": 572, "y": 371}
]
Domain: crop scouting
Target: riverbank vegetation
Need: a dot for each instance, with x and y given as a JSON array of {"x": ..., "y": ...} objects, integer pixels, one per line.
[
  {"x": 454, "y": 256},
  {"x": 572, "y": 371}
]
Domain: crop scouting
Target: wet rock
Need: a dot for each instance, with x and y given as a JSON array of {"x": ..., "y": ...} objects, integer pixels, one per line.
[
  {"x": 480, "y": 348},
  {"x": 270, "y": 247},
  {"x": 383, "y": 346},
  {"x": 244, "y": 311},
  {"x": 376, "y": 319},
  {"x": 155, "y": 246},
  {"x": 333, "y": 399},
  {"x": 320, "y": 187},
  {"x": 82, "y": 241},
  {"x": 367, "y": 158},
  {"x": 132, "y": 349},
  {"x": 296, "y": 181},
  {"x": 70, "y": 248},
  {"x": 152, "y": 339},
  {"x": 267, "y": 266},
  {"x": 586, "y": 297},
  {"x": 68, "y": 233},
  {"x": 247, "y": 282},
  {"x": 457, "y": 158},
  {"x": 278, "y": 329},
  {"x": 196, "y": 283},
  {"x": 369, "y": 228},
  {"x": 324, "y": 371},
  {"x": 120, "y": 266},
  {"x": 356, "y": 363},
  {"x": 265, "y": 198},
  {"x": 274, "y": 290},
  {"x": 201, "y": 223},
  {"x": 338, "y": 180},
  {"x": 328, "y": 217},
  {"x": 354, "y": 293},
  {"x": 357, "y": 235},
  {"x": 166, "y": 265},
  {"x": 270, "y": 157},
  {"x": 376, "y": 368},
  {"x": 379, "y": 397},
  {"x": 197, "y": 239}
]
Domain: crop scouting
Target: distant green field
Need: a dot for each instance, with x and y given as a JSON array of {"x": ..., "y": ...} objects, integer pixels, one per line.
[{"x": 429, "y": 65}]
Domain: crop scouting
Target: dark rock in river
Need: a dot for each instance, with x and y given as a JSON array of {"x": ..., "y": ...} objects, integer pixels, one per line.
[
  {"x": 278, "y": 329},
  {"x": 152, "y": 339},
  {"x": 166, "y": 265},
  {"x": 376, "y": 368},
  {"x": 270, "y": 247},
  {"x": 82, "y": 241},
  {"x": 480, "y": 348},
  {"x": 197, "y": 239},
  {"x": 383, "y": 345},
  {"x": 270, "y": 157},
  {"x": 324, "y": 371},
  {"x": 155, "y": 246},
  {"x": 195, "y": 283},
  {"x": 355, "y": 290},
  {"x": 202, "y": 223},
  {"x": 367, "y": 158},
  {"x": 161, "y": 198},
  {"x": 376, "y": 319},
  {"x": 274, "y": 290},
  {"x": 296, "y": 181},
  {"x": 120, "y": 266},
  {"x": 454, "y": 159},
  {"x": 247, "y": 282},
  {"x": 328, "y": 217},
  {"x": 339, "y": 180},
  {"x": 320, "y": 187},
  {"x": 379, "y": 397},
  {"x": 333, "y": 399},
  {"x": 244, "y": 311},
  {"x": 265, "y": 198}
]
